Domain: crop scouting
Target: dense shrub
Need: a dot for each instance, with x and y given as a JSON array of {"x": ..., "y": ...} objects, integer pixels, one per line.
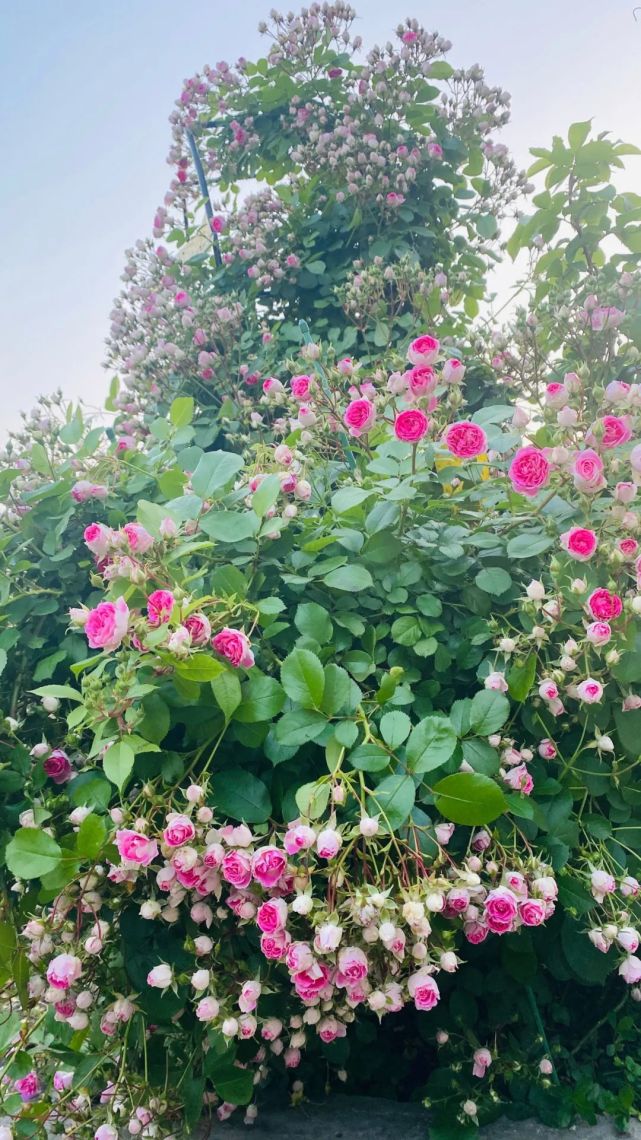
[{"x": 345, "y": 721}]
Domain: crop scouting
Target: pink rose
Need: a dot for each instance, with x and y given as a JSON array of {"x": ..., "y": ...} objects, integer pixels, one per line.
[
  {"x": 625, "y": 492},
  {"x": 453, "y": 371},
  {"x": 359, "y": 417},
  {"x": 352, "y": 967},
  {"x": 423, "y": 350},
  {"x": 98, "y": 538},
  {"x": 421, "y": 380},
  {"x": 160, "y": 605},
  {"x": 434, "y": 150},
  {"x": 603, "y": 605},
  {"x": 589, "y": 691},
  {"x": 519, "y": 779},
  {"x": 199, "y": 628},
  {"x": 529, "y": 471},
  {"x": 160, "y": 977},
  {"x": 465, "y": 439},
  {"x": 605, "y": 317},
  {"x": 547, "y": 749},
  {"x": 598, "y": 633},
  {"x": 328, "y": 843},
  {"x": 58, "y": 767},
  {"x": 28, "y": 1087},
  {"x": 249, "y": 996},
  {"x": 329, "y": 1028},
  {"x": 423, "y": 989},
  {"x": 532, "y": 912},
  {"x": 482, "y": 1059},
  {"x": 587, "y": 470},
  {"x": 300, "y": 386},
  {"x": 106, "y": 626},
  {"x": 237, "y": 869},
  {"x": 235, "y": 646},
  {"x": 411, "y": 425},
  {"x": 272, "y": 916},
  {"x": 579, "y": 542},
  {"x": 63, "y": 971},
  {"x": 556, "y": 395},
  {"x": 628, "y": 547},
  {"x": 500, "y": 910},
  {"x": 629, "y": 970},
  {"x": 84, "y": 490},
  {"x": 274, "y": 946},
  {"x": 475, "y": 932},
  {"x": 610, "y": 431},
  {"x": 179, "y": 830},
  {"x": 136, "y": 848},
  {"x": 298, "y": 837},
  {"x": 138, "y": 538},
  {"x": 602, "y": 883},
  {"x": 207, "y": 1009},
  {"x": 268, "y": 864}
]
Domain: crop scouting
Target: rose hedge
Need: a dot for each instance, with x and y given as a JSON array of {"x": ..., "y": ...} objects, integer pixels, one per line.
[{"x": 321, "y": 673}]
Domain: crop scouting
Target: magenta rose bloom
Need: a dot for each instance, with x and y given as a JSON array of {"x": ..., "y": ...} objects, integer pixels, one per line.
[
  {"x": 588, "y": 472},
  {"x": 271, "y": 916},
  {"x": 529, "y": 471},
  {"x": 58, "y": 767},
  {"x": 106, "y": 626},
  {"x": 63, "y": 971},
  {"x": 199, "y": 628},
  {"x": 532, "y": 912},
  {"x": 237, "y": 869},
  {"x": 235, "y": 646},
  {"x": 268, "y": 864},
  {"x": 421, "y": 380},
  {"x": 98, "y": 538},
  {"x": 423, "y": 350},
  {"x": 28, "y": 1087},
  {"x": 359, "y": 417},
  {"x": 500, "y": 910},
  {"x": 300, "y": 386},
  {"x": 136, "y": 848},
  {"x": 609, "y": 432},
  {"x": 410, "y": 426},
  {"x": 579, "y": 542},
  {"x": 159, "y": 607},
  {"x": 603, "y": 605},
  {"x": 424, "y": 990},
  {"x": 138, "y": 538},
  {"x": 465, "y": 439},
  {"x": 179, "y": 830}
]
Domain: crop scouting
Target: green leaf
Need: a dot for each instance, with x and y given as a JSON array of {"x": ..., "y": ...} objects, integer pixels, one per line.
[
  {"x": 351, "y": 578},
  {"x": 369, "y": 758},
  {"x": 431, "y": 744},
  {"x": 200, "y": 667},
  {"x": 480, "y": 755},
  {"x": 393, "y": 800},
  {"x": 241, "y": 796},
  {"x": 312, "y": 799},
  {"x": 493, "y": 580},
  {"x": 226, "y": 689},
  {"x": 313, "y": 620},
  {"x": 346, "y": 498},
  {"x": 527, "y": 544},
  {"x": 469, "y": 798},
  {"x": 181, "y": 412},
  {"x": 489, "y": 712},
  {"x": 299, "y": 727},
  {"x": 63, "y": 692},
  {"x": 266, "y": 495},
  {"x": 487, "y": 225},
  {"x": 573, "y": 896},
  {"x": 578, "y": 133},
  {"x": 215, "y": 471},
  {"x": 118, "y": 763},
  {"x": 236, "y": 1086},
  {"x": 316, "y": 267},
  {"x": 341, "y": 693},
  {"x": 91, "y": 789},
  {"x": 31, "y": 853},
  {"x": 91, "y": 836},
  {"x": 520, "y": 677},
  {"x": 395, "y": 727},
  {"x": 230, "y": 526},
  {"x": 303, "y": 679},
  {"x": 262, "y": 699}
]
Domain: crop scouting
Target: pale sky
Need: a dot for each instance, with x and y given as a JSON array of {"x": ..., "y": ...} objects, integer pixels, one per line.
[{"x": 87, "y": 89}]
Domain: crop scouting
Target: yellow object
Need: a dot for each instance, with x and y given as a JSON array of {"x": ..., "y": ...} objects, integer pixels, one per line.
[{"x": 452, "y": 461}]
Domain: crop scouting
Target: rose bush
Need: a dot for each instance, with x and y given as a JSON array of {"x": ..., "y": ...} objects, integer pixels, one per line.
[{"x": 326, "y": 736}]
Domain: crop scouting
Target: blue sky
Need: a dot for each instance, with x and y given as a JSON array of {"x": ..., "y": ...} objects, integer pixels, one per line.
[{"x": 88, "y": 86}]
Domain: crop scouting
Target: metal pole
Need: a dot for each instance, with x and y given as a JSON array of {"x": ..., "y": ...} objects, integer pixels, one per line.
[{"x": 204, "y": 190}]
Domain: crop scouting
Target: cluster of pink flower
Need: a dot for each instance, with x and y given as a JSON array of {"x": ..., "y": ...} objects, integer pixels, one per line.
[
  {"x": 618, "y": 931},
  {"x": 339, "y": 945},
  {"x": 117, "y": 555}
]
